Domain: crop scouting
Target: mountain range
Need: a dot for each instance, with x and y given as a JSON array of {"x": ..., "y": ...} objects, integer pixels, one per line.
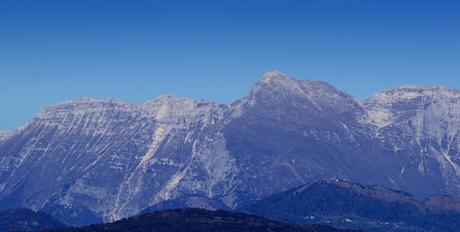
[{"x": 89, "y": 161}]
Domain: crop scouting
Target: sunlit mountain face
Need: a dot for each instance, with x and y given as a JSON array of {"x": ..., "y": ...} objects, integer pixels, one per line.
[{"x": 88, "y": 161}]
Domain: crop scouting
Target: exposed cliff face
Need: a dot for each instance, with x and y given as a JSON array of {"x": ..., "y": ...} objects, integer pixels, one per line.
[
  {"x": 87, "y": 161},
  {"x": 110, "y": 159},
  {"x": 421, "y": 125}
]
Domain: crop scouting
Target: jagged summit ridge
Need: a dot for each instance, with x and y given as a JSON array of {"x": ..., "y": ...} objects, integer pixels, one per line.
[
  {"x": 424, "y": 88},
  {"x": 411, "y": 92},
  {"x": 279, "y": 79}
]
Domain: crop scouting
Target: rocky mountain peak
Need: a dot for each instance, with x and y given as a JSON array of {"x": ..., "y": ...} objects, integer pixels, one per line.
[
  {"x": 275, "y": 76},
  {"x": 277, "y": 82},
  {"x": 273, "y": 81}
]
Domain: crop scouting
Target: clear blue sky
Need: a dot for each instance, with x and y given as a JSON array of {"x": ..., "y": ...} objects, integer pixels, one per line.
[{"x": 51, "y": 51}]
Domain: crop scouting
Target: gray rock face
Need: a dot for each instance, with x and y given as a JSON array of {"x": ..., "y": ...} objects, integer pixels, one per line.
[
  {"x": 421, "y": 126},
  {"x": 87, "y": 161}
]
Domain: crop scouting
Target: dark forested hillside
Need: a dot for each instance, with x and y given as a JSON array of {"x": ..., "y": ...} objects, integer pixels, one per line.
[
  {"x": 27, "y": 220},
  {"x": 198, "y": 220},
  {"x": 351, "y": 205}
]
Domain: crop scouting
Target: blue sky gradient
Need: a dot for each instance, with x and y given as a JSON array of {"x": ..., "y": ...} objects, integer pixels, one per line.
[{"x": 51, "y": 51}]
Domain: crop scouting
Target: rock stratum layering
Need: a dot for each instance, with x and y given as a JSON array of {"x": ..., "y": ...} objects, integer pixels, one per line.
[{"x": 87, "y": 161}]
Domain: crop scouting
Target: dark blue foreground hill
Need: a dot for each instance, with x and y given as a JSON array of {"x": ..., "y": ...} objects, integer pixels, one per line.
[
  {"x": 27, "y": 220},
  {"x": 187, "y": 202},
  {"x": 354, "y": 206},
  {"x": 191, "y": 220}
]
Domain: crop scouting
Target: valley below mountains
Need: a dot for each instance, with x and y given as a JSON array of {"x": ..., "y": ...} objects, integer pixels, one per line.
[
  {"x": 350, "y": 205},
  {"x": 91, "y": 161},
  {"x": 317, "y": 207}
]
